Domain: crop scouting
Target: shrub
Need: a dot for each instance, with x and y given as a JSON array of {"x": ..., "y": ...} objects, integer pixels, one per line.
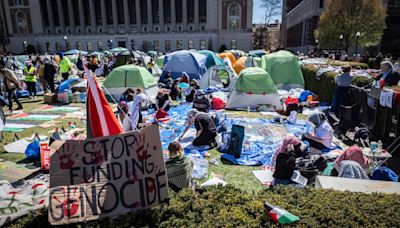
[
  {"x": 352, "y": 64},
  {"x": 325, "y": 87},
  {"x": 231, "y": 207}
]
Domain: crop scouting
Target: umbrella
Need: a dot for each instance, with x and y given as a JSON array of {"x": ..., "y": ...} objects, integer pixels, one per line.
[
  {"x": 118, "y": 50},
  {"x": 75, "y": 52},
  {"x": 68, "y": 84}
]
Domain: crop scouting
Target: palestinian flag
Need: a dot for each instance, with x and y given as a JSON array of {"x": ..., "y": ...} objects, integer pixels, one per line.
[{"x": 280, "y": 216}]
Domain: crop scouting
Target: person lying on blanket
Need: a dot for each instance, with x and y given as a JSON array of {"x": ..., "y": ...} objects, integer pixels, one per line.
[
  {"x": 206, "y": 130},
  {"x": 179, "y": 168},
  {"x": 323, "y": 134}
]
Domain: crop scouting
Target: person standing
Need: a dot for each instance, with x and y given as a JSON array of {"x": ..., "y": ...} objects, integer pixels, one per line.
[
  {"x": 388, "y": 75},
  {"x": 30, "y": 78},
  {"x": 40, "y": 70},
  {"x": 65, "y": 66},
  {"x": 11, "y": 84},
  {"x": 343, "y": 82},
  {"x": 50, "y": 70}
]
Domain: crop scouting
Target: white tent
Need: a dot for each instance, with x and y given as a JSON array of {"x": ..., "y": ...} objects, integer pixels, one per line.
[{"x": 218, "y": 76}]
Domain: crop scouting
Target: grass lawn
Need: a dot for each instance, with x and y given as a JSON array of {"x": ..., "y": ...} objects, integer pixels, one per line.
[{"x": 239, "y": 176}]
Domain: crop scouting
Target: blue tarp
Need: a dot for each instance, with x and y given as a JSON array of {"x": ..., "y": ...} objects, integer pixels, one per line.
[
  {"x": 68, "y": 84},
  {"x": 194, "y": 64}
]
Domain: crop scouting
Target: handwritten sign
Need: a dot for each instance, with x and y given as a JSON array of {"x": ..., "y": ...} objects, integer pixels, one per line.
[{"x": 106, "y": 176}]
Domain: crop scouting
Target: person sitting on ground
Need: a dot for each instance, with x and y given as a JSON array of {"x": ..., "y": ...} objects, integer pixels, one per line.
[
  {"x": 175, "y": 92},
  {"x": 201, "y": 102},
  {"x": 179, "y": 168},
  {"x": 323, "y": 134},
  {"x": 168, "y": 81},
  {"x": 145, "y": 103},
  {"x": 123, "y": 96},
  {"x": 343, "y": 82},
  {"x": 185, "y": 77},
  {"x": 353, "y": 153},
  {"x": 388, "y": 74},
  {"x": 285, "y": 161},
  {"x": 206, "y": 130},
  {"x": 163, "y": 101}
]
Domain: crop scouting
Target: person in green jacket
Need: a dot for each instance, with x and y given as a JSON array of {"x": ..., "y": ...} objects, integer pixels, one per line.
[
  {"x": 30, "y": 78},
  {"x": 179, "y": 168},
  {"x": 65, "y": 66}
]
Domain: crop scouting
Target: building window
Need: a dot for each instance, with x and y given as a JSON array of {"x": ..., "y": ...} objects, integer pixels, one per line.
[
  {"x": 168, "y": 29},
  {"x": 179, "y": 29},
  {"x": 234, "y": 16},
  {"x": 203, "y": 28},
  {"x": 59, "y": 31},
  {"x": 178, "y": 11},
  {"x": 48, "y": 47},
  {"x": 156, "y": 45},
  {"x": 156, "y": 28},
  {"x": 202, "y": 44},
  {"x": 167, "y": 11},
  {"x": 68, "y": 45},
  {"x": 179, "y": 44},
  {"x": 190, "y": 44},
  {"x": 78, "y": 45},
  {"x": 89, "y": 46},
  {"x": 190, "y": 28},
  {"x": 68, "y": 31},
  {"x": 203, "y": 11},
  {"x": 144, "y": 29},
  {"x": 168, "y": 45},
  {"x": 79, "y": 30},
  {"x": 190, "y": 11},
  {"x": 58, "y": 46},
  {"x": 120, "y": 12},
  {"x": 321, "y": 4},
  {"x": 100, "y": 30},
  {"x": 143, "y": 11},
  {"x": 155, "y": 11},
  {"x": 100, "y": 46},
  {"x": 97, "y": 12},
  {"x": 76, "y": 12},
  {"x": 109, "y": 10},
  {"x": 122, "y": 44},
  {"x": 233, "y": 44},
  {"x": 132, "y": 9},
  {"x": 89, "y": 30}
]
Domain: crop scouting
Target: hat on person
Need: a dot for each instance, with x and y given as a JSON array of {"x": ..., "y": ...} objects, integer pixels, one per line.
[{"x": 60, "y": 54}]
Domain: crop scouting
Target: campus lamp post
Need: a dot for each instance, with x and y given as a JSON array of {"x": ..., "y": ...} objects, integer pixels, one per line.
[
  {"x": 341, "y": 41},
  {"x": 358, "y": 34},
  {"x": 66, "y": 42},
  {"x": 110, "y": 42},
  {"x": 25, "y": 46}
]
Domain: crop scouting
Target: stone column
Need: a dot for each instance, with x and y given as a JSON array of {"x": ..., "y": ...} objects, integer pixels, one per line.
[
  {"x": 196, "y": 14},
  {"x": 103, "y": 14},
  {"x": 93, "y": 22},
  {"x": 149, "y": 16},
  {"x": 81, "y": 15},
  {"x": 50, "y": 16},
  {"x": 71, "y": 14},
  {"x": 126, "y": 16},
  {"x": 138, "y": 16},
  {"x": 184, "y": 15},
  {"x": 161, "y": 13},
  {"x": 115, "y": 14},
  {"x": 61, "y": 16},
  {"x": 173, "y": 16}
]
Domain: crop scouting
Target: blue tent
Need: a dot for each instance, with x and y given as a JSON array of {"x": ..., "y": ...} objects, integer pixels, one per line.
[
  {"x": 75, "y": 52},
  {"x": 68, "y": 84},
  {"x": 212, "y": 58},
  {"x": 194, "y": 64}
]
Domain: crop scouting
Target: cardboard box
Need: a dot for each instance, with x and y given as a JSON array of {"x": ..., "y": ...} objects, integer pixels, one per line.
[{"x": 50, "y": 98}]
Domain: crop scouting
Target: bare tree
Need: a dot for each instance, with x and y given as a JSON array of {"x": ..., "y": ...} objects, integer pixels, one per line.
[{"x": 272, "y": 8}]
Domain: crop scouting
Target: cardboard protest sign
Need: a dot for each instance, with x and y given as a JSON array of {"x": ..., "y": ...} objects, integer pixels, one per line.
[{"x": 106, "y": 176}]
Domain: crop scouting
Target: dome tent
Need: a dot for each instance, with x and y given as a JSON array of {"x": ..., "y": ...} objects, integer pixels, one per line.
[
  {"x": 130, "y": 76},
  {"x": 193, "y": 63},
  {"x": 212, "y": 58},
  {"x": 242, "y": 63},
  {"x": 218, "y": 76},
  {"x": 284, "y": 68},
  {"x": 252, "y": 88}
]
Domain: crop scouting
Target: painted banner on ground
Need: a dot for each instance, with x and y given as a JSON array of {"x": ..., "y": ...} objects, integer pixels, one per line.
[{"x": 106, "y": 176}]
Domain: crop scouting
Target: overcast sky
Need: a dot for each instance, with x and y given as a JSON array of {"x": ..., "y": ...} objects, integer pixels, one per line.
[{"x": 258, "y": 13}]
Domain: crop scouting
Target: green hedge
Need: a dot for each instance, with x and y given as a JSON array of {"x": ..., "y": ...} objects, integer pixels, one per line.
[
  {"x": 325, "y": 87},
  {"x": 231, "y": 207}
]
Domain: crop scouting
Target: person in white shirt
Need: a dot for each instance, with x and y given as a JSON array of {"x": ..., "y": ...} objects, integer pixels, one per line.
[{"x": 323, "y": 134}]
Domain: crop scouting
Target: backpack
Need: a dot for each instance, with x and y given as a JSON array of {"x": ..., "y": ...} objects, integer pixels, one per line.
[{"x": 233, "y": 142}]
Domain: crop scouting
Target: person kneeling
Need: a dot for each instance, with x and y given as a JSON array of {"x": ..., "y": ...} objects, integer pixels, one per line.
[
  {"x": 285, "y": 163},
  {"x": 206, "y": 130},
  {"x": 179, "y": 168},
  {"x": 323, "y": 135}
]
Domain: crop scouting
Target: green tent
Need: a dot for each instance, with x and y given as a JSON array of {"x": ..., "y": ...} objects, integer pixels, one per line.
[
  {"x": 284, "y": 68},
  {"x": 130, "y": 76},
  {"x": 160, "y": 61},
  {"x": 253, "y": 87},
  {"x": 212, "y": 58},
  {"x": 258, "y": 61}
]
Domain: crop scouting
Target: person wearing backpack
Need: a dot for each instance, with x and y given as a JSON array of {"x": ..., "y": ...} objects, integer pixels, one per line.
[{"x": 11, "y": 84}]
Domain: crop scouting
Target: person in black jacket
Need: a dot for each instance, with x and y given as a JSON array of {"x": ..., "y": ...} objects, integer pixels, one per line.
[
  {"x": 390, "y": 77},
  {"x": 50, "y": 70},
  {"x": 285, "y": 161}
]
